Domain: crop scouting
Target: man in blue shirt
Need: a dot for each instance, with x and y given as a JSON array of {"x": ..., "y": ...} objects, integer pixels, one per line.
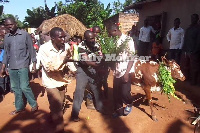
[{"x": 18, "y": 53}]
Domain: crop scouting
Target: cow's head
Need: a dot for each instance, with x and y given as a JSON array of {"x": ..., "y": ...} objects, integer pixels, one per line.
[{"x": 175, "y": 69}]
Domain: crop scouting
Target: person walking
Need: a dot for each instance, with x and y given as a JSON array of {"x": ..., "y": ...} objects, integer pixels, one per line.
[
  {"x": 54, "y": 56},
  {"x": 122, "y": 79},
  {"x": 86, "y": 74},
  {"x": 175, "y": 37},
  {"x": 18, "y": 52}
]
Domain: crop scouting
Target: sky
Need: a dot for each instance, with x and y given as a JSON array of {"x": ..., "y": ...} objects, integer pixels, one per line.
[{"x": 19, "y": 7}]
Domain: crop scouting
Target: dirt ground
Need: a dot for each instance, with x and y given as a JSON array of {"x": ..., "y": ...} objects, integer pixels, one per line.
[{"x": 172, "y": 117}]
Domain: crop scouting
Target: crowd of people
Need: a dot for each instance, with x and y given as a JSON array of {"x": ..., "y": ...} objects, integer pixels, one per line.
[
  {"x": 55, "y": 55},
  {"x": 184, "y": 45}
]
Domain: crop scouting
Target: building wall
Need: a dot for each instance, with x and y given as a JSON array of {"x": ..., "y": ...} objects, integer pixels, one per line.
[
  {"x": 126, "y": 20},
  {"x": 174, "y": 8}
]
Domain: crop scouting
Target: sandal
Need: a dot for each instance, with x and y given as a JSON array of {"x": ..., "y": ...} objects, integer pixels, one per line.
[
  {"x": 116, "y": 115},
  {"x": 75, "y": 119},
  {"x": 34, "y": 109},
  {"x": 127, "y": 110},
  {"x": 16, "y": 112}
]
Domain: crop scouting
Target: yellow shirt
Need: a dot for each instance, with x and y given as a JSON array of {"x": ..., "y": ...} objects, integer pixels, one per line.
[{"x": 75, "y": 49}]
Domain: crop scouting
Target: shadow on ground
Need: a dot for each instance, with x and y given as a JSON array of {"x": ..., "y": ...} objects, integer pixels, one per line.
[
  {"x": 189, "y": 92},
  {"x": 177, "y": 127}
]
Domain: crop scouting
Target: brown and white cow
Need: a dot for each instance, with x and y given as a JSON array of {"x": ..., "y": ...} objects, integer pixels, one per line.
[{"x": 146, "y": 75}]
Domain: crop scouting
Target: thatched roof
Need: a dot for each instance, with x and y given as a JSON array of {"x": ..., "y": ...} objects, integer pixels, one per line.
[{"x": 67, "y": 22}]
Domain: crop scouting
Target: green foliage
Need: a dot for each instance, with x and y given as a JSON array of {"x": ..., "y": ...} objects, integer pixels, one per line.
[
  {"x": 37, "y": 15},
  {"x": 4, "y": 16},
  {"x": 109, "y": 44},
  {"x": 166, "y": 81},
  {"x": 4, "y": 1},
  {"x": 89, "y": 12},
  {"x": 119, "y": 7}
]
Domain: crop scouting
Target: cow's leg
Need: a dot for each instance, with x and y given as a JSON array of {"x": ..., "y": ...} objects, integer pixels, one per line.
[{"x": 148, "y": 95}]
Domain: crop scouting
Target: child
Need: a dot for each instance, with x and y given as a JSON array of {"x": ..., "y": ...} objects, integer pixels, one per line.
[
  {"x": 156, "y": 49},
  {"x": 38, "y": 61},
  {"x": 74, "y": 46}
]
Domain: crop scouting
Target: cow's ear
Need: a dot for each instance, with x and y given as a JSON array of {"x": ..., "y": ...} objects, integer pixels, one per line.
[{"x": 164, "y": 60}]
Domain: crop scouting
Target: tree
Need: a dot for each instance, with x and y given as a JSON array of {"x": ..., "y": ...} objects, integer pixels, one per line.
[
  {"x": 127, "y": 3},
  {"x": 37, "y": 15},
  {"x": 89, "y": 12},
  {"x": 119, "y": 7},
  {"x": 4, "y": 1},
  {"x": 4, "y": 16}
]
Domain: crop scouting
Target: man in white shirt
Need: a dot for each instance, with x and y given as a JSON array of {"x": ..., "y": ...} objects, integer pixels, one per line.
[
  {"x": 144, "y": 39},
  {"x": 175, "y": 37},
  {"x": 122, "y": 83},
  {"x": 54, "y": 58}
]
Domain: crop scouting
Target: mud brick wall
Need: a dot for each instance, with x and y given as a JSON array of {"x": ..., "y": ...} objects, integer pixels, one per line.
[{"x": 126, "y": 20}]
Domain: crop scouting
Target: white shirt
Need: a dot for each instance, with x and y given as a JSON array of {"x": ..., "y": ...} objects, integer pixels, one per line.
[
  {"x": 175, "y": 37},
  {"x": 52, "y": 65},
  {"x": 144, "y": 35},
  {"x": 121, "y": 67}
]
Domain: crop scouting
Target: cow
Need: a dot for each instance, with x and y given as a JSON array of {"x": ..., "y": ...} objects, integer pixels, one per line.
[{"x": 145, "y": 75}]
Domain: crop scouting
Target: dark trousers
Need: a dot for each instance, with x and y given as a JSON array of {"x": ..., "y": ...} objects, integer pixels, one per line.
[
  {"x": 143, "y": 48},
  {"x": 103, "y": 76},
  {"x": 82, "y": 79},
  {"x": 56, "y": 97},
  {"x": 121, "y": 93},
  {"x": 190, "y": 66},
  {"x": 174, "y": 54}
]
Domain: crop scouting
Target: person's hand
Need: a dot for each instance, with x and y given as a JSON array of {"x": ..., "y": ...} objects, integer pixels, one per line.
[
  {"x": 73, "y": 73},
  {"x": 7, "y": 73},
  {"x": 126, "y": 77},
  {"x": 34, "y": 67},
  {"x": 2, "y": 73},
  {"x": 69, "y": 54}
]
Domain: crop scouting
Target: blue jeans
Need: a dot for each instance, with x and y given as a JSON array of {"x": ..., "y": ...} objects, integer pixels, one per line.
[{"x": 20, "y": 84}]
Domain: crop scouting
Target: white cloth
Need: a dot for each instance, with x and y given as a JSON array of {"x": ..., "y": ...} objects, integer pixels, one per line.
[
  {"x": 121, "y": 67},
  {"x": 145, "y": 32},
  {"x": 176, "y": 38},
  {"x": 37, "y": 63}
]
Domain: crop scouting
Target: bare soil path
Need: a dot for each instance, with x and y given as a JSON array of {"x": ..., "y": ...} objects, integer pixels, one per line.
[{"x": 172, "y": 116}]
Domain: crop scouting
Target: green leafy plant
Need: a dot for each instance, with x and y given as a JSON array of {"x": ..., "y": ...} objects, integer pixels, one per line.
[
  {"x": 166, "y": 81},
  {"x": 108, "y": 44}
]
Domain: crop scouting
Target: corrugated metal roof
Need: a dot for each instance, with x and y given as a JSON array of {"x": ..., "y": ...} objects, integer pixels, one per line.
[{"x": 139, "y": 4}]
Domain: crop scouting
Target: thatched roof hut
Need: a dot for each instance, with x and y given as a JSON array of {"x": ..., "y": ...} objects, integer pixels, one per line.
[{"x": 67, "y": 22}]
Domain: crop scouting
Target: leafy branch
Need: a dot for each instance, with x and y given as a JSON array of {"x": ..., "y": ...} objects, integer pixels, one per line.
[
  {"x": 166, "y": 81},
  {"x": 109, "y": 44}
]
